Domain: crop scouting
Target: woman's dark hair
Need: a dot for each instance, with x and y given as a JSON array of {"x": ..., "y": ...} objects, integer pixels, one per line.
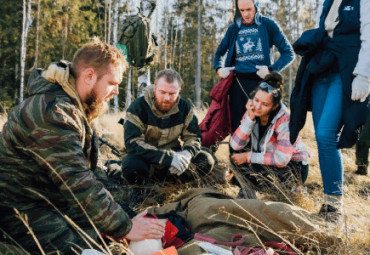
[{"x": 275, "y": 80}]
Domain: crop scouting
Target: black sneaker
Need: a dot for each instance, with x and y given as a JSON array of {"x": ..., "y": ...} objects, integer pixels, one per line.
[
  {"x": 330, "y": 213},
  {"x": 361, "y": 170}
]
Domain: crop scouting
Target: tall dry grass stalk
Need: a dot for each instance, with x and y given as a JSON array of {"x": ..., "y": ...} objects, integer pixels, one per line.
[{"x": 24, "y": 219}]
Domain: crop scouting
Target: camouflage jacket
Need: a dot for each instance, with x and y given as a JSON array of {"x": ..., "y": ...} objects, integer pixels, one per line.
[
  {"x": 153, "y": 135},
  {"x": 45, "y": 153}
]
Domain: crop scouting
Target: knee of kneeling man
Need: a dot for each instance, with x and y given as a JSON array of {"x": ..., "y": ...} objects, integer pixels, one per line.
[
  {"x": 134, "y": 164},
  {"x": 205, "y": 161}
]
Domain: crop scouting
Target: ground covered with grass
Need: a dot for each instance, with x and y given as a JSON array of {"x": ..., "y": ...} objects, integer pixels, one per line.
[{"x": 356, "y": 233}]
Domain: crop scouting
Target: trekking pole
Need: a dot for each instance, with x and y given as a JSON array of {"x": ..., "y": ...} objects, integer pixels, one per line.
[
  {"x": 241, "y": 87},
  {"x": 113, "y": 149}
]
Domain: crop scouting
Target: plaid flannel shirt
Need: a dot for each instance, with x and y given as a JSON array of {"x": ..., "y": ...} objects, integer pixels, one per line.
[{"x": 275, "y": 147}]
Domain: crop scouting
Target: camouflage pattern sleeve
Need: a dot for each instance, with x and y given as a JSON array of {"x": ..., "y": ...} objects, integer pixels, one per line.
[{"x": 56, "y": 135}]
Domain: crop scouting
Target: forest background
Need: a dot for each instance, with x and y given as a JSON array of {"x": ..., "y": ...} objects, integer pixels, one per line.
[{"x": 34, "y": 33}]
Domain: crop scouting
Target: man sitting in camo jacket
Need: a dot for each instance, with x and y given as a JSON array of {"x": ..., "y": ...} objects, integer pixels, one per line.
[
  {"x": 48, "y": 158},
  {"x": 155, "y": 123}
]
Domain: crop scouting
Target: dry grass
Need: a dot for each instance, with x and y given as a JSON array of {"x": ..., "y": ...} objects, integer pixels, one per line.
[{"x": 356, "y": 234}]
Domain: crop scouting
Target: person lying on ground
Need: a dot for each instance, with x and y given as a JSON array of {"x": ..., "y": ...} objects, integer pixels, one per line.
[
  {"x": 264, "y": 129},
  {"x": 48, "y": 158},
  {"x": 154, "y": 126}
]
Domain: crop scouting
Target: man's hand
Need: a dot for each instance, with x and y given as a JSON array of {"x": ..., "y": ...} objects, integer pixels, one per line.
[
  {"x": 173, "y": 170},
  {"x": 225, "y": 71},
  {"x": 360, "y": 88},
  {"x": 145, "y": 228},
  {"x": 187, "y": 155},
  {"x": 180, "y": 162},
  {"x": 241, "y": 158},
  {"x": 262, "y": 71}
]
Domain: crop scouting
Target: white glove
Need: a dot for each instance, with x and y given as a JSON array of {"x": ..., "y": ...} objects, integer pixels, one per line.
[
  {"x": 262, "y": 71},
  {"x": 225, "y": 71},
  {"x": 173, "y": 170},
  {"x": 187, "y": 155},
  {"x": 360, "y": 88},
  {"x": 180, "y": 162}
]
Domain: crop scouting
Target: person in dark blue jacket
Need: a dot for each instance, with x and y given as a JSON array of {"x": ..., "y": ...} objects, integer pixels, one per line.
[
  {"x": 248, "y": 46},
  {"x": 333, "y": 81}
]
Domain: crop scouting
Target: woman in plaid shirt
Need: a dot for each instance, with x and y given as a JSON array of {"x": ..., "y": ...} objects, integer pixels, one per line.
[{"x": 264, "y": 132}]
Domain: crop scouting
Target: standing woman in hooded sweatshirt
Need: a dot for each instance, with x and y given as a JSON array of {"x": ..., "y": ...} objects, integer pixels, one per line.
[
  {"x": 333, "y": 81},
  {"x": 247, "y": 45}
]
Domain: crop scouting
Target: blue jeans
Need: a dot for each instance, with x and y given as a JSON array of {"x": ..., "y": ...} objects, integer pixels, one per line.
[{"x": 327, "y": 94}]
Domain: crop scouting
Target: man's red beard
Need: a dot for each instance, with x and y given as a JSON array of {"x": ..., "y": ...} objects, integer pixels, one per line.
[
  {"x": 159, "y": 105},
  {"x": 93, "y": 108}
]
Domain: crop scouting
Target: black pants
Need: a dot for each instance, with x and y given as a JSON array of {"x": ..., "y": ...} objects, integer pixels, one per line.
[
  {"x": 294, "y": 173},
  {"x": 362, "y": 146},
  {"x": 136, "y": 171},
  {"x": 238, "y": 99}
]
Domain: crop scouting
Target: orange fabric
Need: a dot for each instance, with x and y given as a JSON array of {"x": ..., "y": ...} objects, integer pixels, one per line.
[{"x": 169, "y": 251}]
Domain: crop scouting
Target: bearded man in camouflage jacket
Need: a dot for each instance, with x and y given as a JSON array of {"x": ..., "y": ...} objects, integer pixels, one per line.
[
  {"x": 162, "y": 136},
  {"x": 48, "y": 159}
]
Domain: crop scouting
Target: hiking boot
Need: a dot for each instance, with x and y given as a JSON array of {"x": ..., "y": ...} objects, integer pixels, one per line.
[
  {"x": 361, "y": 170},
  {"x": 330, "y": 213}
]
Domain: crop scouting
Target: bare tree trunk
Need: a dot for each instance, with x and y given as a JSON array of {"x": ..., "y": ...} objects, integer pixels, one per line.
[
  {"x": 181, "y": 50},
  {"x": 297, "y": 28},
  {"x": 199, "y": 60},
  {"x": 173, "y": 55},
  {"x": 290, "y": 39},
  {"x": 115, "y": 35},
  {"x": 16, "y": 73},
  {"x": 171, "y": 31},
  {"x": 25, "y": 27},
  {"x": 65, "y": 30},
  {"x": 213, "y": 56},
  {"x": 105, "y": 19},
  {"x": 109, "y": 20},
  {"x": 165, "y": 38},
  {"x": 128, "y": 89},
  {"x": 37, "y": 43}
]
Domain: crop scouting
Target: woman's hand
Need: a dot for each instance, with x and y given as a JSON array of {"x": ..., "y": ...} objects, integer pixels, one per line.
[
  {"x": 250, "y": 109},
  {"x": 145, "y": 228},
  {"x": 240, "y": 158}
]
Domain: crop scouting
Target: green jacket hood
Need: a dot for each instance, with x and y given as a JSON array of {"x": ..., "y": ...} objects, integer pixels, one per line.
[{"x": 39, "y": 85}]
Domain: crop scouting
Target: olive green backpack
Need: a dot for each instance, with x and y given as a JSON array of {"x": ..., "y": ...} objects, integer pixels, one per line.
[{"x": 140, "y": 43}]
